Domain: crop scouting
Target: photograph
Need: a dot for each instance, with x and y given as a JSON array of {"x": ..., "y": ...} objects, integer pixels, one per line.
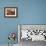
[
  {"x": 32, "y": 32},
  {"x": 10, "y": 12}
]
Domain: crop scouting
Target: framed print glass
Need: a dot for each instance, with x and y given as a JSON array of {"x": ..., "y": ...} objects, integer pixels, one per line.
[
  {"x": 11, "y": 12},
  {"x": 33, "y": 32}
]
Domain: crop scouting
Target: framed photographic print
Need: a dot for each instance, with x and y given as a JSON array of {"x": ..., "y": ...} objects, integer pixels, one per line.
[
  {"x": 11, "y": 12},
  {"x": 33, "y": 32}
]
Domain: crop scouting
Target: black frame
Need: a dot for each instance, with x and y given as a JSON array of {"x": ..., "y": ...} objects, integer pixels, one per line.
[{"x": 11, "y": 16}]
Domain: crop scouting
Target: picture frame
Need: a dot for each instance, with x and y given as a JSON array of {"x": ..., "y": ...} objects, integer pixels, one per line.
[
  {"x": 11, "y": 12},
  {"x": 37, "y": 29}
]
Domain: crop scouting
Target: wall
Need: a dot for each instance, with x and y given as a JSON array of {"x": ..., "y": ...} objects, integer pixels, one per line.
[{"x": 29, "y": 12}]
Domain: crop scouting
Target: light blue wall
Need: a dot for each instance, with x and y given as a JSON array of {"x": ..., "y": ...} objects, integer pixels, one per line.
[{"x": 29, "y": 12}]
